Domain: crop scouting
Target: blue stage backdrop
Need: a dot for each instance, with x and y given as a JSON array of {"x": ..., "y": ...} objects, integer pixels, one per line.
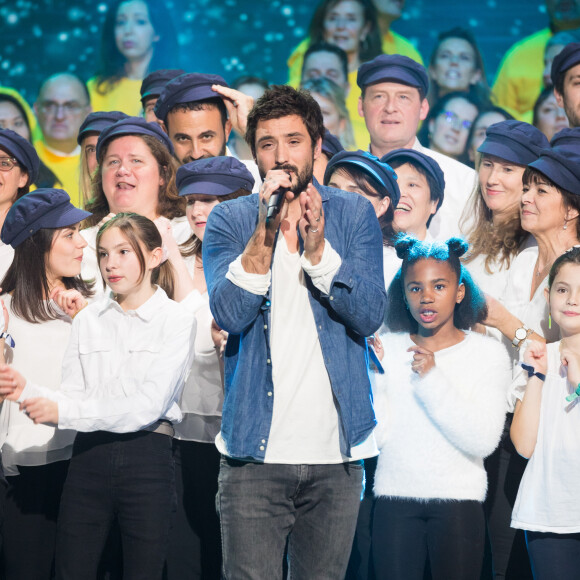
[{"x": 233, "y": 37}]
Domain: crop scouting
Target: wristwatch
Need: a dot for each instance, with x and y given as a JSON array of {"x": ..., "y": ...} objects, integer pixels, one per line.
[{"x": 522, "y": 334}]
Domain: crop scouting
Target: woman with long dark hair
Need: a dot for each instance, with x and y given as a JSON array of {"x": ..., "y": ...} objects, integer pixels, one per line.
[{"x": 138, "y": 37}]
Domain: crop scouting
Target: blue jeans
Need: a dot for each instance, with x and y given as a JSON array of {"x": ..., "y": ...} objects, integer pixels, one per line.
[
  {"x": 312, "y": 507},
  {"x": 129, "y": 477}
]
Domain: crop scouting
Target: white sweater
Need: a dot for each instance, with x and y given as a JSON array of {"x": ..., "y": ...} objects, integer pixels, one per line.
[{"x": 433, "y": 432}]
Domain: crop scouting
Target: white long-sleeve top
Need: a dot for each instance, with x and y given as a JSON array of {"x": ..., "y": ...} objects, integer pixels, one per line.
[
  {"x": 433, "y": 432},
  {"x": 123, "y": 371}
]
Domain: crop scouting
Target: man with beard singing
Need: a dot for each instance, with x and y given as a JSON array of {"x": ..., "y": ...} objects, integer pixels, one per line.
[{"x": 298, "y": 292}]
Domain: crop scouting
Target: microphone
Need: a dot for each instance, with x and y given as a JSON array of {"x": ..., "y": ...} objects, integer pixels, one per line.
[{"x": 275, "y": 203}]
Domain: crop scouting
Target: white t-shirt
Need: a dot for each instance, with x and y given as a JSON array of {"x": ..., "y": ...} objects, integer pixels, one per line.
[
  {"x": 6, "y": 257},
  {"x": 547, "y": 499}
]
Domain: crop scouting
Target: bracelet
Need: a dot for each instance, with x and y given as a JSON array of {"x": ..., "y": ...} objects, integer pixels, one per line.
[
  {"x": 8, "y": 338},
  {"x": 574, "y": 395},
  {"x": 532, "y": 372}
]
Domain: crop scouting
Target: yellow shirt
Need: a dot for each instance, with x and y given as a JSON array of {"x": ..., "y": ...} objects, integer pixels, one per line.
[
  {"x": 35, "y": 132},
  {"x": 519, "y": 79},
  {"x": 65, "y": 167},
  {"x": 393, "y": 43},
  {"x": 125, "y": 97}
]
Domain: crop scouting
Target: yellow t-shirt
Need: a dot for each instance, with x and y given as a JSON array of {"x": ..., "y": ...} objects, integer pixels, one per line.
[
  {"x": 65, "y": 167},
  {"x": 519, "y": 78},
  {"x": 125, "y": 97},
  {"x": 393, "y": 43}
]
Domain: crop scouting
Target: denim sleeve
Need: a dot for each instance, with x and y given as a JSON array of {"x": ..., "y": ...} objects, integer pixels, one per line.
[
  {"x": 233, "y": 308},
  {"x": 357, "y": 294}
]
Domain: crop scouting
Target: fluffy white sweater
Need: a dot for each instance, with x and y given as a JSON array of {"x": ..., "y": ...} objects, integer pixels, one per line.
[{"x": 433, "y": 432}]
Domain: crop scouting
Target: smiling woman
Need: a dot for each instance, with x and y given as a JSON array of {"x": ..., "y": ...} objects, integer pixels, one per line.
[{"x": 138, "y": 37}]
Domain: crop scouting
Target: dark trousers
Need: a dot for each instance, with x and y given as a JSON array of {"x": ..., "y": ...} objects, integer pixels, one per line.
[
  {"x": 29, "y": 530},
  {"x": 129, "y": 477},
  {"x": 406, "y": 532},
  {"x": 554, "y": 555},
  {"x": 505, "y": 469},
  {"x": 194, "y": 541}
]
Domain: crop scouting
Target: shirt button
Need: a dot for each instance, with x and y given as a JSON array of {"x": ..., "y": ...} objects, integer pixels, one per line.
[
  {"x": 320, "y": 327},
  {"x": 263, "y": 441},
  {"x": 261, "y": 448},
  {"x": 267, "y": 303},
  {"x": 265, "y": 327},
  {"x": 268, "y": 361},
  {"x": 332, "y": 297},
  {"x": 269, "y": 393}
]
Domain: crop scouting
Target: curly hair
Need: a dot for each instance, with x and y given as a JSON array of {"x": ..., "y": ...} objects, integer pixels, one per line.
[{"x": 470, "y": 311}]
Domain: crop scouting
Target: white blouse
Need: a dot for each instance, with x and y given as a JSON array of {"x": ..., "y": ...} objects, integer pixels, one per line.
[{"x": 123, "y": 371}]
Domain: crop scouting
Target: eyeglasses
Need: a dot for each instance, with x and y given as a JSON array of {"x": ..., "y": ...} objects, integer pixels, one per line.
[
  {"x": 453, "y": 119},
  {"x": 7, "y": 163},
  {"x": 69, "y": 108}
]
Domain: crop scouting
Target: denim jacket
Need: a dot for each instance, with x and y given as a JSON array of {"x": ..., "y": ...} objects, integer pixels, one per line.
[{"x": 352, "y": 310}]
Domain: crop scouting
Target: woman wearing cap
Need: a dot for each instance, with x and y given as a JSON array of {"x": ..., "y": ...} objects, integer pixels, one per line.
[
  {"x": 135, "y": 173},
  {"x": 87, "y": 139},
  {"x": 195, "y": 542},
  {"x": 138, "y": 37},
  {"x": 43, "y": 229},
  {"x": 19, "y": 166}
]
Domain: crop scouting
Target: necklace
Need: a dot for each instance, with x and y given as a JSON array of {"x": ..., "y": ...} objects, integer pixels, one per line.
[{"x": 541, "y": 273}]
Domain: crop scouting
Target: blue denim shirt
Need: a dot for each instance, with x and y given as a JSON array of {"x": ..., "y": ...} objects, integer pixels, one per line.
[{"x": 352, "y": 310}]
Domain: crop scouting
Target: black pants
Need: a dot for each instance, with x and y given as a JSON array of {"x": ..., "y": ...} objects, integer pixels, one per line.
[
  {"x": 407, "y": 532},
  {"x": 129, "y": 477},
  {"x": 505, "y": 469},
  {"x": 29, "y": 530},
  {"x": 195, "y": 549},
  {"x": 554, "y": 555}
]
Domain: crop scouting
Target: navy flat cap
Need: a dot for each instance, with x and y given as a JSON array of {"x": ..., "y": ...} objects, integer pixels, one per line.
[
  {"x": 154, "y": 83},
  {"x": 42, "y": 208},
  {"x": 514, "y": 141},
  {"x": 133, "y": 126},
  {"x": 330, "y": 144},
  {"x": 428, "y": 164},
  {"x": 393, "y": 68},
  {"x": 371, "y": 165},
  {"x": 98, "y": 122},
  {"x": 187, "y": 88},
  {"x": 569, "y": 57},
  {"x": 560, "y": 162},
  {"x": 214, "y": 176},
  {"x": 19, "y": 148}
]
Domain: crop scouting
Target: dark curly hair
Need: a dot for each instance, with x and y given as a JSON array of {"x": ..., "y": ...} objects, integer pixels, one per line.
[
  {"x": 571, "y": 256},
  {"x": 470, "y": 311}
]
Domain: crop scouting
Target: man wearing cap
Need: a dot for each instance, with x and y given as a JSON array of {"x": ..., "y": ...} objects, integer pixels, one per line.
[
  {"x": 565, "y": 78},
  {"x": 297, "y": 417},
  {"x": 393, "y": 103},
  {"x": 62, "y": 105},
  {"x": 152, "y": 86},
  {"x": 198, "y": 112}
]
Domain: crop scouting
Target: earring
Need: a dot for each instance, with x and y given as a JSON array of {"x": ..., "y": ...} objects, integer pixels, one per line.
[
  {"x": 550, "y": 321},
  {"x": 565, "y": 225}
]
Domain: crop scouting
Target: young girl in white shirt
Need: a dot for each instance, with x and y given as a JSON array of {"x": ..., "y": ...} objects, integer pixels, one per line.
[
  {"x": 123, "y": 372},
  {"x": 546, "y": 429},
  {"x": 440, "y": 408}
]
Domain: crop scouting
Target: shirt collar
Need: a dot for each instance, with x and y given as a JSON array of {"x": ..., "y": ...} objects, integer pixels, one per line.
[{"x": 146, "y": 311}]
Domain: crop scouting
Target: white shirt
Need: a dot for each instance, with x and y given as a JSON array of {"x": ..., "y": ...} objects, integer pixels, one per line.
[
  {"x": 90, "y": 266},
  {"x": 38, "y": 355},
  {"x": 434, "y": 431},
  {"x": 6, "y": 257},
  {"x": 304, "y": 427},
  {"x": 123, "y": 371},
  {"x": 547, "y": 499},
  {"x": 460, "y": 181}
]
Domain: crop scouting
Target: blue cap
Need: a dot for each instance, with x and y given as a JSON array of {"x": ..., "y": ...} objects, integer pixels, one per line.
[
  {"x": 428, "y": 164},
  {"x": 97, "y": 122},
  {"x": 154, "y": 83},
  {"x": 569, "y": 57},
  {"x": 514, "y": 141},
  {"x": 561, "y": 161},
  {"x": 330, "y": 144},
  {"x": 214, "y": 176},
  {"x": 187, "y": 88},
  {"x": 133, "y": 126},
  {"x": 22, "y": 151},
  {"x": 393, "y": 68},
  {"x": 42, "y": 208},
  {"x": 370, "y": 165}
]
